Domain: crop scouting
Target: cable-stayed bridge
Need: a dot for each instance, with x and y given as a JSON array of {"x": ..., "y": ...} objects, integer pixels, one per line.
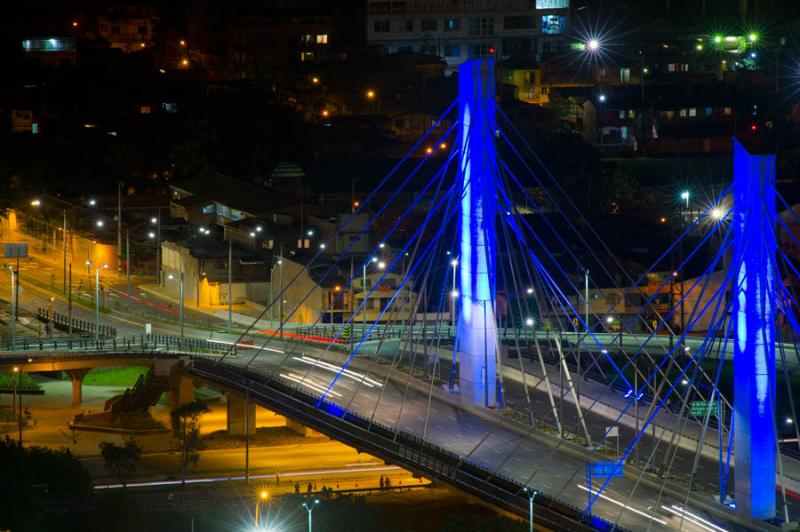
[{"x": 515, "y": 385}]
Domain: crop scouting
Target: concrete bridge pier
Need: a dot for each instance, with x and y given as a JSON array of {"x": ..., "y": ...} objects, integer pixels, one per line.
[
  {"x": 77, "y": 376},
  {"x": 240, "y": 410},
  {"x": 181, "y": 390}
]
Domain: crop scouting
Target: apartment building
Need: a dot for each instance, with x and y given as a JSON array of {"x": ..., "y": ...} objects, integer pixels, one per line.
[{"x": 458, "y": 30}]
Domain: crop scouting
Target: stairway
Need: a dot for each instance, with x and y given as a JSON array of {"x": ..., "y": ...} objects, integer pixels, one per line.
[{"x": 144, "y": 394}]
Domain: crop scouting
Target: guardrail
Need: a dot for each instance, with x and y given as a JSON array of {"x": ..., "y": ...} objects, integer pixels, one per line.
[{"x": 63, "y": 323}]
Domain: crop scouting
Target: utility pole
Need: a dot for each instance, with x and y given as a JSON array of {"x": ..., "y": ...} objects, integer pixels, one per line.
[
  {"x": 13, "y": 306},
  {"x": 69, "y": 302},
  {"x": 280, "y": 293},
  {"x": 119, "y": 225},
  {"x": 230, "y": 285},
  {"x": 128, "y": 265},
  {"x": 158, "y": 246},
  {"x": 64, "y": 236}
]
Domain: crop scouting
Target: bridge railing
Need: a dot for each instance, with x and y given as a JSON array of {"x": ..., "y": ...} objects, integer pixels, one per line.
[
  {"x": 401, "y": 447},
  {"x": 87, "y": 343}
]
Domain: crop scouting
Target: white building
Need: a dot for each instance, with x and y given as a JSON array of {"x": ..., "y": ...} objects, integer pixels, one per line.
[{"x": 458, "y": 30}]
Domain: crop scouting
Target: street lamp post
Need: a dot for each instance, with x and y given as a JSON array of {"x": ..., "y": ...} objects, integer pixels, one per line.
[
  {"x": 180, "y": 284},
  {"x": 453, "y": 294},
  {"x": 230, "y": 285},
  {"x": 262, "y": 498},
  {"x": 531, "y": 496},
  {"x": 310, "y": 508},
  {"x": 13, "y": 306},
  {"x": 280, "y": 286},
  {"x": 364, "y": 291},
  {"x": 18, "y": 393},
  {"x": 157, "y": 235},
  {"x": 128, "y": 265},
  {"x": 96, "y": 299},
  {"x": 64, "y": 251}
]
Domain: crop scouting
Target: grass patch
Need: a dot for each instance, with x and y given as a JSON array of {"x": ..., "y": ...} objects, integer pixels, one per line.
[
  {"x": 8, "y": 379},
  {"x": 121, "y": 376}
]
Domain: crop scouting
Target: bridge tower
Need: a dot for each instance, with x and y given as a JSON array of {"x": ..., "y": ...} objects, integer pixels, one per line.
[
  {"x": 477, "y": 176},
  {"x": 754, "y": 300}
]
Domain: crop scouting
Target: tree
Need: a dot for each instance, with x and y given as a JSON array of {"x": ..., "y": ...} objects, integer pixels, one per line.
[
  {"x": 186, "y": 429},
  {"x": 121, "y": 459},
  {"x": 33, "y": 475}
]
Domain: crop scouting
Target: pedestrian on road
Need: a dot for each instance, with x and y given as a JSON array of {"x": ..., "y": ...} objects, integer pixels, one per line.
[
  {"x": 381, "y": 481},
  {"x": 277, "y": 479},
  {"x": 309, "y": 487},
  {"x": 297, "y": 487}
]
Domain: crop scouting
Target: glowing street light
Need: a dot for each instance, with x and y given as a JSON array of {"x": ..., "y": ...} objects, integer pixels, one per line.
[
  {"x": 315, "y": 80},
  {"x": 100, "y": 224},
  {"x": 92, "y": 202},
  {"x": 753, "y": 37},
  {"x": 36, "y": 203},
  {"x": 151, "y": 234},
  {"x": 381, "y": 265},
  {"x": 531, "y": 493},
  {"x": 529, "y": 322},
  {"x": 685, "y": 196},
  {"x": 310, "y": 232},
  {"x": 602, "y": 98},
  {"x": 609, "y": 319},
  {"x": 263, "y": 497},
  {"x": 529, "y": 290},
  {"x": 182, "y": 42},
  {"x": 717, "y": 214},
  {"x": 593, "y": 45},
  {"x": 717, "y": 39},
  {"x": 310, "y": 508},
  {"x": 370, "y": 94}
]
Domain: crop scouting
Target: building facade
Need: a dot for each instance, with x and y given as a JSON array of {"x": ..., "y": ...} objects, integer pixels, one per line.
[{"x": 458, "y": 31}]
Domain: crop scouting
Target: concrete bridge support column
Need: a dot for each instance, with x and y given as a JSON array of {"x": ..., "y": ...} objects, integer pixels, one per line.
[
  {"x": 181, "y": 391},
  {"x": 77, "y": 376},
  {"x": 236, "y": 415},
  {"x": 300, "y": 429}
]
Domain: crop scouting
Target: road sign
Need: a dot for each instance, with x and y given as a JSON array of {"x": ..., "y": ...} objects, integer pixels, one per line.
[
  {"x": 700, "y": 408},
  {"x": 612, "y": 432},
  {"x": 15, "y": 251},
  {"x": 608, "y": 469}
]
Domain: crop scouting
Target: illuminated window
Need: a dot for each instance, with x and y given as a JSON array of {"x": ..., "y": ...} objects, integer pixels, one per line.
[
  {"x": 35, "y": 128},
  {"x": 693, "y": 111},
  {"x": 452, "y": 24},
  {"x": 726, "y": 111},
  {"x": 624, "y": 75},
  {"x": 682, "y": 113},
  {"x": 552, "y": 4},
  {"x": 144, "y": 109},
  {"x": 381, "y": 26},
  {"x": 554, "y": 24},
  {"x": 622, "y": 114},
  {"x": 709, "y": 111},
  {"x": 208, "y": 209},
  {"x": 322, "y": 39},
  {"x": 669, "y": 115},
  {"x": 631, "y": 113}
]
